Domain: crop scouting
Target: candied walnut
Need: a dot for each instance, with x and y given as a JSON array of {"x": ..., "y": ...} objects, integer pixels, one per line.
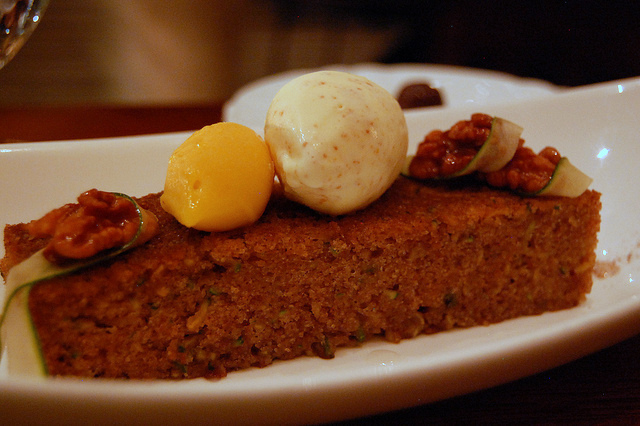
[
  {"x": 99, "y": 221},
  {"x": 442, "y": 154},
  {"x": 419, "y": 95},
  {"x": 527, "y": 171}
]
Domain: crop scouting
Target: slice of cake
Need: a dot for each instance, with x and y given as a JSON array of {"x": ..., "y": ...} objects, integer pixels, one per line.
[{"x": 422, "y": 258}]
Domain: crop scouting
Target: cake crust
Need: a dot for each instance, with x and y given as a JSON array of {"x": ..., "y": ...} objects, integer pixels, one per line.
[{"x": 421, "y": 259}]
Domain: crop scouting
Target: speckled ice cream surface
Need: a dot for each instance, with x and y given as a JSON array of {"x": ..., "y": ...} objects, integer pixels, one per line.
[{"x": 338, "y": 140}]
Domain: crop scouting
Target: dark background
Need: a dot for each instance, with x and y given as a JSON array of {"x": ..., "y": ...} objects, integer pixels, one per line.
[{"x": 569, "y": 42}]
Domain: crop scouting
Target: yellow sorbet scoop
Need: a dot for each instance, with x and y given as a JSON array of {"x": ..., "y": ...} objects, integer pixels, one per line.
[{"x": 219, "y": 179}]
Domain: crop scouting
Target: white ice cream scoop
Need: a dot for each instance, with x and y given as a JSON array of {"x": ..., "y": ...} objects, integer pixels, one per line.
[{"x": 338, "y": 140}]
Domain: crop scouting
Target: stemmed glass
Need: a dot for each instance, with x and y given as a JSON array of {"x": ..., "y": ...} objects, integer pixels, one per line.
[{"x": 18, "y": 19}]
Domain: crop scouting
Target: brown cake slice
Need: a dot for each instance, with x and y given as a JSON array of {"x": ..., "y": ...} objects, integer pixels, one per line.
[{"x": 422, "y": 259}]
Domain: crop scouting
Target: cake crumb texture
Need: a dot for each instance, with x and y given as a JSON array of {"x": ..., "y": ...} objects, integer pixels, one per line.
[{"x": 422, "y": 259}]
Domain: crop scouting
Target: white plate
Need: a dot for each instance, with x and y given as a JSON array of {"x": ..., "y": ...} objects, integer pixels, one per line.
[
  {"x": 457, "y": 86},
  {"x": 597, "y": 127}
]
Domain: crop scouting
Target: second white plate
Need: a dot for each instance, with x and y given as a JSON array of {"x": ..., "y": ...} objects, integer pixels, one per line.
[{"x": 458, "y": 86}]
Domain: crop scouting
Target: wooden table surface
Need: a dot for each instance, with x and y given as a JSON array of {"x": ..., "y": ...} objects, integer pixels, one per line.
[{"x": 602, "y": 388}]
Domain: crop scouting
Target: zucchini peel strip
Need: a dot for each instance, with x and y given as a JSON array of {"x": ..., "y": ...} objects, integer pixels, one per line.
[
  {"x": 566, "y": 181},
  {"x": 494, "y": 154},
  {"x": 17, "y": 330},
  {"x": 498, "y": 149}
]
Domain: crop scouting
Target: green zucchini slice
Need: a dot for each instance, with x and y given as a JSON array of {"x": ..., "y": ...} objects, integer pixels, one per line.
[
  {"x": 17, "y": 331},
  {"x": 566, "y": 181},
  {"x": 498, "y": 150},
  {"x": 495, "y": 153}
]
